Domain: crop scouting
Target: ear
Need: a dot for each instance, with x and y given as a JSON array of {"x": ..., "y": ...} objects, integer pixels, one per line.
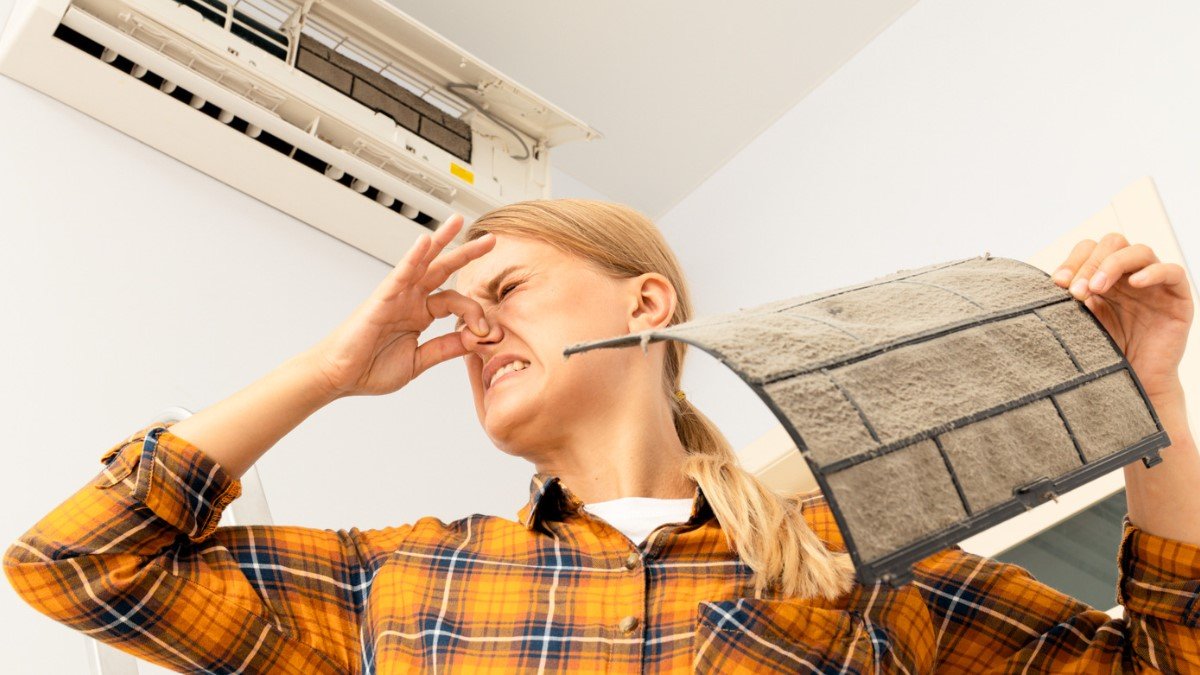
[{"x": 652, "y": 302}]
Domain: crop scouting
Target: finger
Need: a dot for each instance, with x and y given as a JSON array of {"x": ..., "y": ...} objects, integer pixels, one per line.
[
  {"x": 435, "y": 255},
  {"x": 405, "y": 270},
  {"x": 1170, "y": 275},
  {"x": 442, "y": 236},
  {"x": 1121, "y": 262},
  {"x": 413, "y": 263},
  {"x": 439, "y": 349},
  {"x": 446, "y": 264},
  {"x": 1075, "y": 258},
  {"x": 1107, "y": 244},
  {"x": 449, "y": 301}
]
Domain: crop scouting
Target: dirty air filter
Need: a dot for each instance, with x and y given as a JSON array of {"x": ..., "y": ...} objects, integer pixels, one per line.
[{"x": 935, "y": 402}]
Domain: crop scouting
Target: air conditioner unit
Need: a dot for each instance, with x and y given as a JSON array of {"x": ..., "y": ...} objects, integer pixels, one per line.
[{"x": 349, "y": 115}]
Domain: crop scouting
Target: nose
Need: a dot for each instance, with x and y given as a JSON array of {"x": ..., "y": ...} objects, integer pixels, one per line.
[{"x": 472, "y": 340}]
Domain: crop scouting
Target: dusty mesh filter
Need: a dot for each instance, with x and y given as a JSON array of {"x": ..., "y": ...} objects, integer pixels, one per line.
[{"x": 935, "y": 402}]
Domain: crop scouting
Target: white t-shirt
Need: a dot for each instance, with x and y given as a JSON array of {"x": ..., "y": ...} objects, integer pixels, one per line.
[{"x": 637, "y": 517}]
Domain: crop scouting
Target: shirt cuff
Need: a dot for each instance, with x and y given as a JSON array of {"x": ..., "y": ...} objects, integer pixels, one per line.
[
  {"x": 1159, "y": 577},
  {"x": 173, "y": 478}
]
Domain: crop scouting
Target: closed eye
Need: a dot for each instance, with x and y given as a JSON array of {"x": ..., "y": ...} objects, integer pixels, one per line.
[
  {"x": 504, "y": 291},
  {"x": 460, "y": 324}
]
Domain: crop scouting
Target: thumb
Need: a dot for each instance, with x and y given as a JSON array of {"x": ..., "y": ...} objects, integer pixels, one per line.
[{"x": 440, "y": 348}]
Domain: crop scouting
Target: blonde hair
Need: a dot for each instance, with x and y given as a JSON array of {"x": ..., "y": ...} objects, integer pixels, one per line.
[{"x": 766, "y": 529}]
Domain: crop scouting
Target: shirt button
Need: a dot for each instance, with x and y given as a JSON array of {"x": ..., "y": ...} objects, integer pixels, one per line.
[
  {"x": 632, "y": 561},
  {"x": 629, "y": 623}
]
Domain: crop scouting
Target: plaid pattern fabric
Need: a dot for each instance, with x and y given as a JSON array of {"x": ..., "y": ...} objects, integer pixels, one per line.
[{"x": 135, "y": 558}]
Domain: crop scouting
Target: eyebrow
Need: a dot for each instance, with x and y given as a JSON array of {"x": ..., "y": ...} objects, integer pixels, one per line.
[{"x": 491, "y": 287}]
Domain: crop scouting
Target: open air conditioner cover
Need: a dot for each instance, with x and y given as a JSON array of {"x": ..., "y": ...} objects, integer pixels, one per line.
[
  {"x": 934, "y": 403},
  {"x": 351, "y": 116}
]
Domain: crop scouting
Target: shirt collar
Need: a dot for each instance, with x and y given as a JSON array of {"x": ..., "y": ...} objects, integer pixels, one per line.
[{"x": 550, "y": 499}]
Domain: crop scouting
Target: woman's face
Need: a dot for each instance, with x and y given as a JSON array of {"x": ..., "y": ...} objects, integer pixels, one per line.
[{"x": 539, "y": 300}]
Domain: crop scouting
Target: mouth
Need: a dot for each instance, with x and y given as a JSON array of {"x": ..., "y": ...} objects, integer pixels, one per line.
[{"x": 502, "y": 377}]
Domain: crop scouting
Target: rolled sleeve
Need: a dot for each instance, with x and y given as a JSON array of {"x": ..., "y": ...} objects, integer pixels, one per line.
[
  {"x": 172, "y": 478},
  {"x": 1159, "y": 577}
]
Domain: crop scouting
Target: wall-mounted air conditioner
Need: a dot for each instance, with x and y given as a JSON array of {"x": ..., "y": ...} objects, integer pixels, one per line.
[{"x": 347, "y": 114}]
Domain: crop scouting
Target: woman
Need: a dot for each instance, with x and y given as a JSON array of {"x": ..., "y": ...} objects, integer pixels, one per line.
[{"x": 731, "y": 577}]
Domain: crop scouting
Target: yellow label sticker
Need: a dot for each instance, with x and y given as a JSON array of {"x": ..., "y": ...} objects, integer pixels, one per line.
[{"x": 462, "y": 172}]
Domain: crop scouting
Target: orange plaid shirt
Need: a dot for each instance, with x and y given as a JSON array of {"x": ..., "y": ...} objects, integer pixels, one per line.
[{"x": 136, "y": 558}]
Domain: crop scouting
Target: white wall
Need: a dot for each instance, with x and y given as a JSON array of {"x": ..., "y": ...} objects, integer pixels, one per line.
[
  {"x": 130, "y": 282},
  {"x": 966, "y": 126}
]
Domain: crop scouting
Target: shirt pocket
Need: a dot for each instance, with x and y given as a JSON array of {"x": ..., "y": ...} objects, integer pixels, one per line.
[{"x": 780, "y": 636}]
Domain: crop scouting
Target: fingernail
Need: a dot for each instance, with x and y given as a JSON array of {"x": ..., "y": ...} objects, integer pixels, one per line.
[
  {"x": 1098, "y": 281},
  {"x": 1079, "y": 287},
  {"x": 483, "y": 326},
  {"x": 1063, "y": 275}
]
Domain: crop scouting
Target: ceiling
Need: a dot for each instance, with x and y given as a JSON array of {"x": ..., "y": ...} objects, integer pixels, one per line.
[{"x": 677, "y": 87}]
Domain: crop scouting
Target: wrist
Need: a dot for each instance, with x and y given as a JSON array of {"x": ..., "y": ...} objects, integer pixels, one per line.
[
  {"x": 1171, "y": 408},
  {"x": 307, "y": 366},
  {"x": 1165, "y": 390}
]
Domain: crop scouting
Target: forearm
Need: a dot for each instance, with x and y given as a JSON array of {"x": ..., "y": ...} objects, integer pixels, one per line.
[
  {"x": 238, "y": 430},
  {"x": 1164, "y": 499}
]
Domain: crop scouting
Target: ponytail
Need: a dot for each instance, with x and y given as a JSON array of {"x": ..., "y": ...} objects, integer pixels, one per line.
[{"x": 766, "y": 529}]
